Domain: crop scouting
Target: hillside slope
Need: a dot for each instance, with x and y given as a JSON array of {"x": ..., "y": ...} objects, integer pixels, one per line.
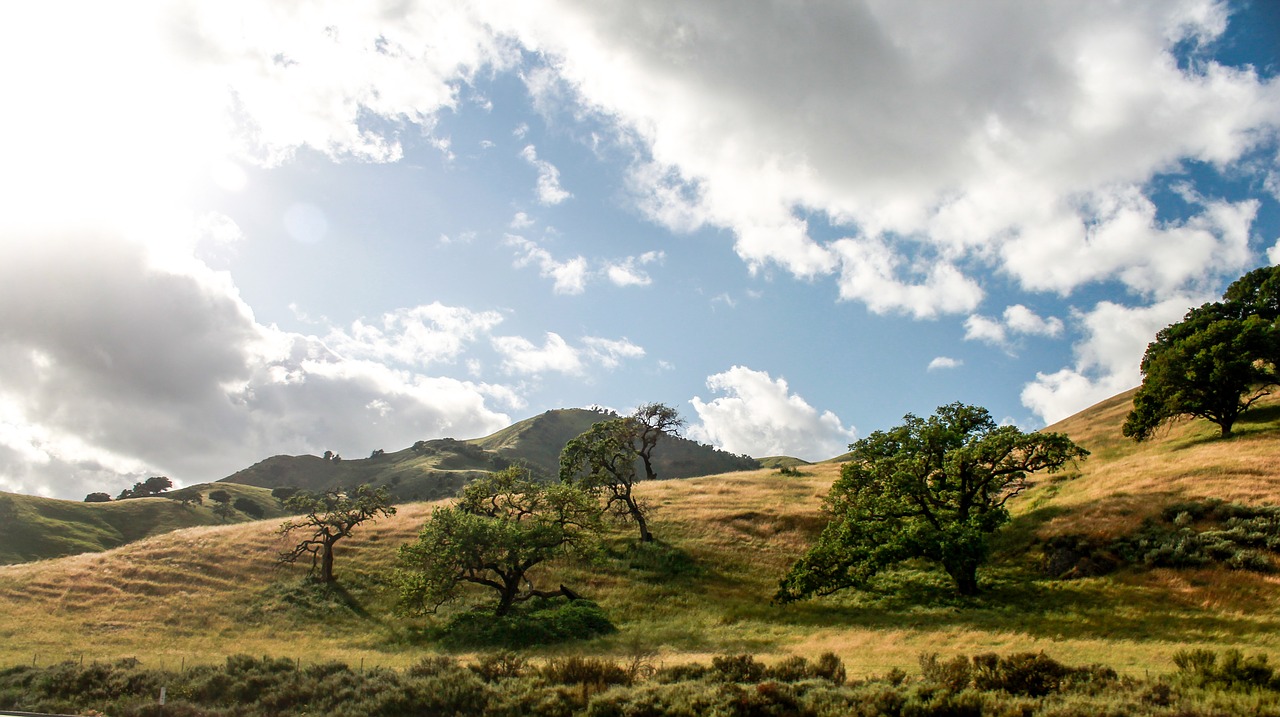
[
  {"x": 439, "y": 468},
  {"x": 35, "y": 528},
  {"x": 199, "y": 594}
]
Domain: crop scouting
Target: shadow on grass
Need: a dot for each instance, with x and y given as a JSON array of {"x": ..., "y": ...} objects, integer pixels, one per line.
[{"x": 312, "y": 599}]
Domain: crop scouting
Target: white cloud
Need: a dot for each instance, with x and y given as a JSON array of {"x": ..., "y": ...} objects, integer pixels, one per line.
[
  {"x": 628, "y": 272},
  {"x": 941, "y": 363},
  {"x": 1107, "y": 358},
  {"x": 549, "y": 190},
  {"x": 415, "y": 336},
  {"x": 1017, "y": 319},
  {"x": 569, "y": 277},
  {"x": 609, "y": 353},
  {"x": 759, "y": 416},
  {"x": 521, "y": 221},
  {"x": 870, "y": 272},
  {"x": 520, "y": 355},
  {"x": 1017, "y": 136}
]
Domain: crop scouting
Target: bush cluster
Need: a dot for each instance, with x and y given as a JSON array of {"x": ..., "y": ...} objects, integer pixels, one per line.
[
  {"x": 1186, "y": 535},
  {"x": 732, "y": 685},
  {"x": 539, "y": 622}
]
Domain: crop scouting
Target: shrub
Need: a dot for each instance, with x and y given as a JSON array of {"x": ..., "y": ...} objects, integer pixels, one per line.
[
  {"x": 541, "y": 622},
  {"x": 736, "y": 668},
  {"x": 953, "y": 675},
  {"x": 249, "y": 508},
  {"x": 1034, "y": 674}
]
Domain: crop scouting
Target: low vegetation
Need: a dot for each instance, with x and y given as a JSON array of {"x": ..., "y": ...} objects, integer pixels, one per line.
[{"x": 1205, "y": 683}]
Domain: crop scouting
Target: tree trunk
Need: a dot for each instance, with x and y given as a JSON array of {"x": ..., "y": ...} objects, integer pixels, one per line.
[
  {"x": 638, "y": 515},
  {"x": 965, "y": 576},
  {"x": 326, "y": 563}
]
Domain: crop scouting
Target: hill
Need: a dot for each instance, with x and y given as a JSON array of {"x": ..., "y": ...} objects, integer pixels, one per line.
[
  {"x": 199, "y": 594},
  {"x": 438, "y": 469},
  {"x": 35, "y": 528}
]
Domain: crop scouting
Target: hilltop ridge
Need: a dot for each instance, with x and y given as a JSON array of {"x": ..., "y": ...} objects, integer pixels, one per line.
[{"x": 435, "y": 469}]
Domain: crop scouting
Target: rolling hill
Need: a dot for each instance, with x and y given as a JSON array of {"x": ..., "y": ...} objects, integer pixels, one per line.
[
  {"x": 435, "y": 469},
  {"x": 199, "y": 594},
  {"x": 35, "y": 528}
]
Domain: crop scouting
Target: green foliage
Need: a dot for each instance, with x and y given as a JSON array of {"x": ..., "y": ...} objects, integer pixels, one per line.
[
  {"x": 604, "y": 459},
  {"x": 931, "y": 488},
  {"x": 505, "y": 684},
  {"x": 536, "y": 623},
  {"x": 1215, "y": 363},
  {"x": 152, "y": 486},
  {"x": 500, "y": 528},
  {"x": 329, "y": 518},
  {"x": 1232, "y": 671},
  {"x": 249, "y": 508},
  {"x": 1186, "y": 535},
  {"x": 98, "y": 498}
]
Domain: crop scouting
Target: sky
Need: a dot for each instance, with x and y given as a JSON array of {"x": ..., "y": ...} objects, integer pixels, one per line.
[{"x": 236, "y": 229}]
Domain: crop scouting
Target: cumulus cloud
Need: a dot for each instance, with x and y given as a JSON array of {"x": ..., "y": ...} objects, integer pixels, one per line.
[
  {"x": 555, "y": 355},
  {"x": 1107, "y": 358},
  {"x": 1017, "y": 319},
  {"x": 550, "y": 192},
  {"x": 941, "y": 363},
  {"x": 760, "y": 416},
  {"x": 415, "y": 336},
  {"x": 1021, "y": 136}
]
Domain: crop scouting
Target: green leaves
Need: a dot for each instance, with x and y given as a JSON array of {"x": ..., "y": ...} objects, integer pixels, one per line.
[
  {"x": 932, "y": 488},
  {"x": 1215, "y": 363},
  {"x": 501, "y": 527}
]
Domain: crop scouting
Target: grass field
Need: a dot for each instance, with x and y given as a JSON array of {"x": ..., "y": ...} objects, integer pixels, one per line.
[{"x": 200, "y": 594}]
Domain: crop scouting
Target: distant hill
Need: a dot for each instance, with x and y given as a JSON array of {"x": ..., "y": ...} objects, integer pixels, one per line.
[
  {"x": 36, "y": 528},
  {"x": 439, "y": 468}
]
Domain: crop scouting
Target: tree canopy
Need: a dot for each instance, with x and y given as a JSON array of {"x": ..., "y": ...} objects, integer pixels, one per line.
[
  {"x": 933, "y": 488},
  {"x": 328, "y": 518},
  {"x": 604, "y": 459},
  {"x": 501, "y": 528},
  {"x": 1215, "y": 363}
]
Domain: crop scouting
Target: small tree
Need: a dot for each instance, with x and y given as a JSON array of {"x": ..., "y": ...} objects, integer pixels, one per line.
[
  {"x": 1215, "y": 363},
  {"x": 605, "y": 457},
  {"x": 154, "y": 485},
  {"x": 931, "y": 488},
  {"x": 330, "y": 517},
  {"x": 97, "y": 498},
  {"x": 222, "y": 503},
  {"x": 501, "y": 528}
]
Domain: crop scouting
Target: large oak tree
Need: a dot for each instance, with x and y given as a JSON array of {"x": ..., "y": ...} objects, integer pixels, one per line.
[{"x": 933, "y": 488}]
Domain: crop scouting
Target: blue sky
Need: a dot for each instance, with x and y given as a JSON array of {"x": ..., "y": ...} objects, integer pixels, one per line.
[{"x": 239, "y": 229}]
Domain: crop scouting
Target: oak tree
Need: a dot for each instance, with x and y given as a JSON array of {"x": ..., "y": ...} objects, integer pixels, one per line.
[
  {"x": 605, "y": 458},
  {"x": 500, "y": 529},
  {"x": 1214, "y": 364},
  {"x": 328, "y": 518},
  {"x": 933, "y": 488}
]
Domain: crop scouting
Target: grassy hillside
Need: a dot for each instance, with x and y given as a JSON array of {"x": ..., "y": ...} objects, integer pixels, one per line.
[
  {"x": 199, "y": 594},
  {"x": 438, "y": 469},
  {"x": 35, "y": 528},
  {"x": 427, "y": 471}
]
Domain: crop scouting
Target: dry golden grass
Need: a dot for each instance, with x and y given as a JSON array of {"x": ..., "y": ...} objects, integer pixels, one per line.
[{"x": 200, "y": 594}]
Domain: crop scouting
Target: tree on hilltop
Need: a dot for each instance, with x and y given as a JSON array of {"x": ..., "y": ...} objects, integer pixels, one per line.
[
  {"x": 328, "y": 518},
  {"x": 1215, "y": 363},
  {"x": 604, "y": 459},
  {"x": 932, "y": 488}
]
